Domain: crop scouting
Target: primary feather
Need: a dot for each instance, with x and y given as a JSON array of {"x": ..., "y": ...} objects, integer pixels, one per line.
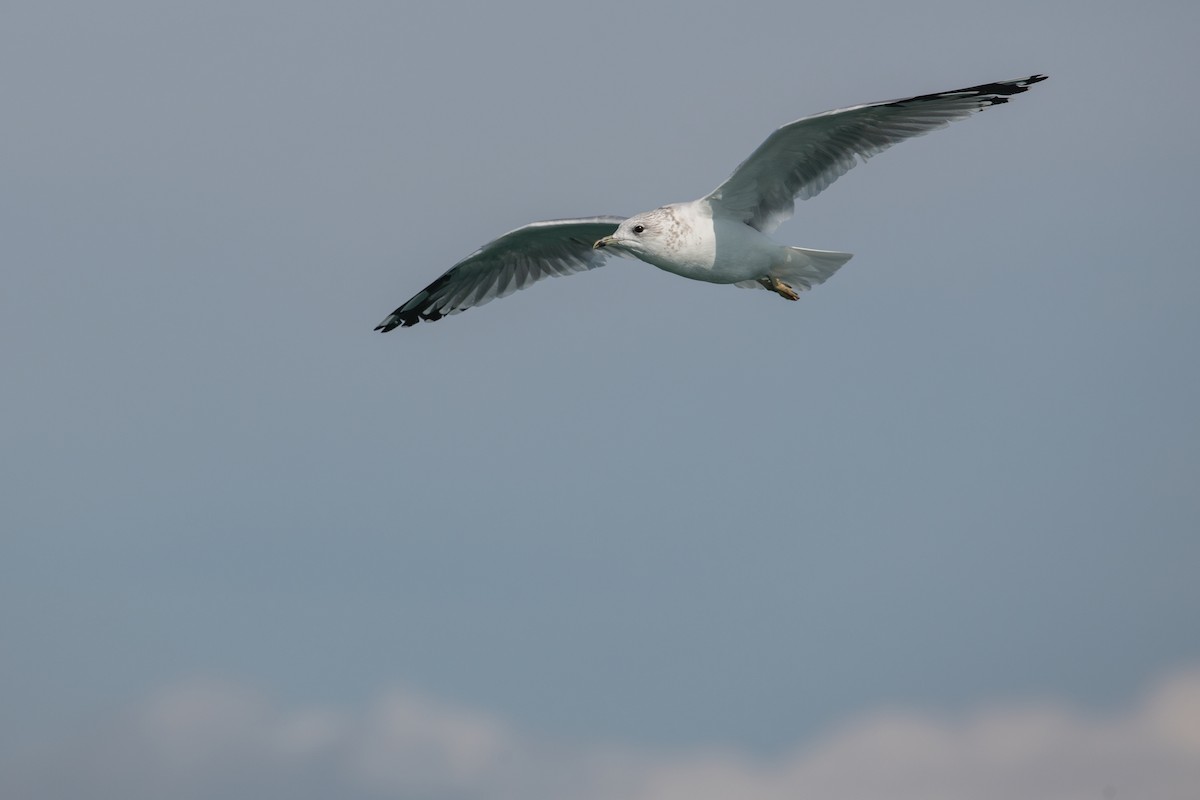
[
  {"x": 803, "y": 158},
  {"x": 502, "y": 266}
]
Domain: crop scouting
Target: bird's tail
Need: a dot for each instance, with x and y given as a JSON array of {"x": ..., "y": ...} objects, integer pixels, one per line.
[
  {"x": 803, "y": 269},
  {"x": 808, "y": 268}
]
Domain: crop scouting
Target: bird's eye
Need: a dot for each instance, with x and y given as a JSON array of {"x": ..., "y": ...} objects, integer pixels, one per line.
[{"x": 639, "y": 228}]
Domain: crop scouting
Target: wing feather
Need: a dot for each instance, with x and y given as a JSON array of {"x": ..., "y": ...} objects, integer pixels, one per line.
[
  {"x": 514, "y": 261},
  {"x": 803, "y": 158}
]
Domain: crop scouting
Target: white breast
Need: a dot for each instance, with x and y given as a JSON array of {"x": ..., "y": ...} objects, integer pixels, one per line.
[{"x": 697, "y": 246}]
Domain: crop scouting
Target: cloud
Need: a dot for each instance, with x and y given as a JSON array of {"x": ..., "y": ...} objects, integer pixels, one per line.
[
  {"x": 1040, "y": 750},
  {"x": 204, "y": 739}
]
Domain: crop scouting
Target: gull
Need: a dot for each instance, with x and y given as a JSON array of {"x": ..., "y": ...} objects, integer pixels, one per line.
[{"x": 721, "y": 237}]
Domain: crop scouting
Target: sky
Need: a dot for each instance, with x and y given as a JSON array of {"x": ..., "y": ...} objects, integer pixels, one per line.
[{"x": 932, "y": 531}]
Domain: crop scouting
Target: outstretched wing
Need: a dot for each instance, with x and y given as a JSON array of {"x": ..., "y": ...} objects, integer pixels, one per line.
[
  {"x": 502, "y": 266},
  {"x": 804, "y": 157}
]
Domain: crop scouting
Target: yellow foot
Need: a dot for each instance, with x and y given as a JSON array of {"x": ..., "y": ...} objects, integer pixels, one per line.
[{"x": 779, "y": 287}]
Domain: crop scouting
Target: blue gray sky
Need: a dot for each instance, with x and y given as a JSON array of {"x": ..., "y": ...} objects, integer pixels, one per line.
[{"x": 622, "y": 533}]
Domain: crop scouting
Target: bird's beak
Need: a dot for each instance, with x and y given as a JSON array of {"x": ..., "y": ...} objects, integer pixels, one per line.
[{"x": 605, "y": 242}]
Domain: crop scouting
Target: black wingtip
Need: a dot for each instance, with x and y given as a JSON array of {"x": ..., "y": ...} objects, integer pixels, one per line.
[
  {"x": 988, "y": 94},
  {"x": 411, "y": 312},
  {"x": 388, "y": 324},
  {"x": 1009, "y": 88},
  {"x": 1001, "y": 91},
  {"x": 406, "y": 319}
]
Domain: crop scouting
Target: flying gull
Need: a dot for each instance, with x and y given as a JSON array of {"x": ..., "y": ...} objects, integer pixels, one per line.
[{"x": 722, "y": 237}]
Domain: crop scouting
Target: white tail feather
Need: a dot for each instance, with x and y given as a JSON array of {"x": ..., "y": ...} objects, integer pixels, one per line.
[{"x": 804, "y": 268}]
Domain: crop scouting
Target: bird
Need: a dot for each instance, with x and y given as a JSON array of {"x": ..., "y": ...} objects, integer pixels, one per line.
[{"x": 721, "y": 237}]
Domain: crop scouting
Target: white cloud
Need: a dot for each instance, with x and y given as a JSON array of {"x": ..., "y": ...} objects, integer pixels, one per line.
[
  {"x": 210, "y": 740},
  {"x": 1040, "y": 750}
]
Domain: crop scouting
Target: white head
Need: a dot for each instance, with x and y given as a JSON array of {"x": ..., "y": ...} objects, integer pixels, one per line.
[{"x": 643, "y": 234}]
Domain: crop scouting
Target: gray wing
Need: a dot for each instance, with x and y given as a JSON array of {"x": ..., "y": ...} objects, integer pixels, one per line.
[
  {"x": 502, "y": 266},
  {"x": 804, "y": 157}
]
